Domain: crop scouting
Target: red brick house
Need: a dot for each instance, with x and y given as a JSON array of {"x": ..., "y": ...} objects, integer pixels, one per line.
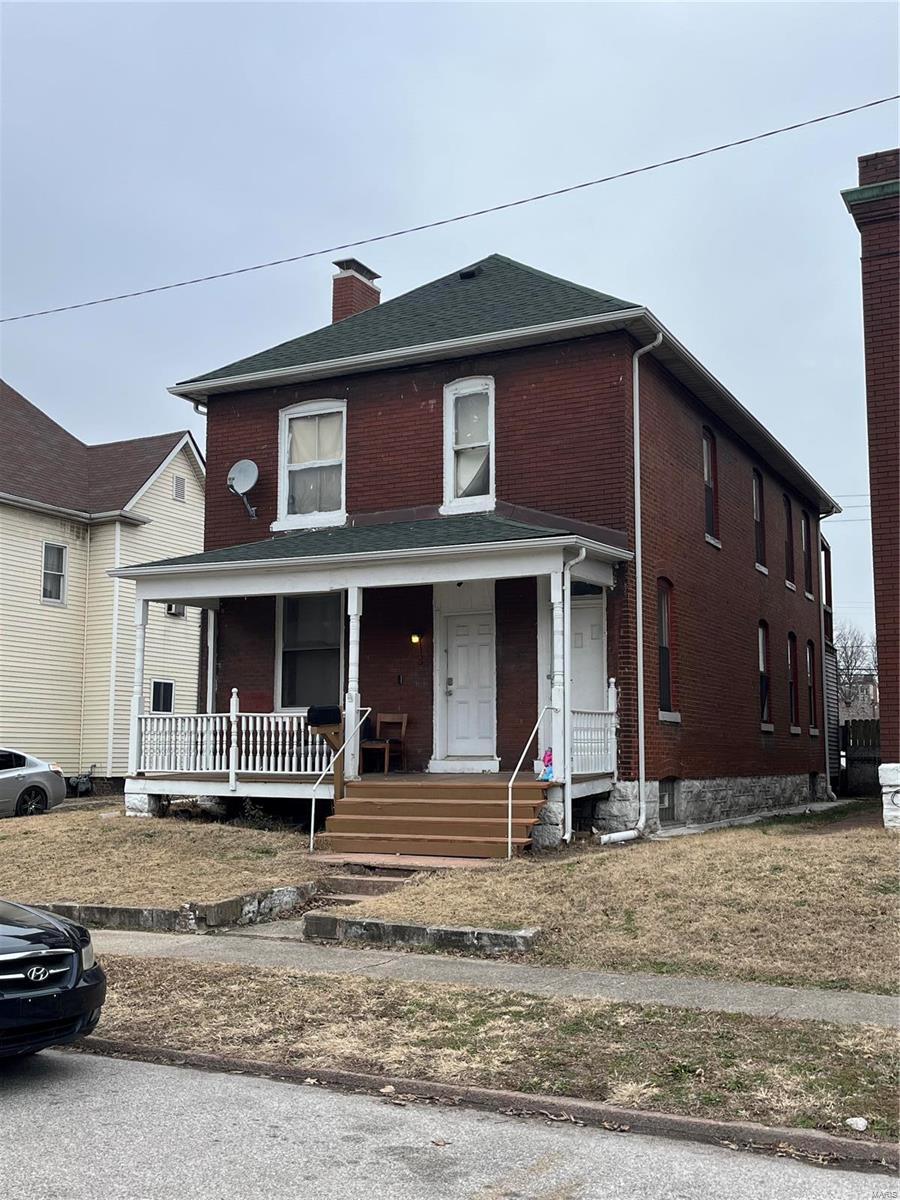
[
  {"x": 875, "y": 207},
  {"x": 454, "y": 521}
]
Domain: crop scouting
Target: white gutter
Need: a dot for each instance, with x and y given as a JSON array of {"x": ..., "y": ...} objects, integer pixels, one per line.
[
  {"x": 611, "y": 554},
  {"x": 567, "y": 691},
  {"x": 199, "y": 389},
  {"x": 75, "y": 514},
  {"x": 627, "y": 835}
]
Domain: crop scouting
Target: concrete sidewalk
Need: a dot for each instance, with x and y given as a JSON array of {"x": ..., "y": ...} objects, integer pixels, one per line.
[{"x": 277, "y": 945}]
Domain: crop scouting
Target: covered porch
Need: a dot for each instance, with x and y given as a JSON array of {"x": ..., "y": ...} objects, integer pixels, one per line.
[{"x": 487, "y": 635}]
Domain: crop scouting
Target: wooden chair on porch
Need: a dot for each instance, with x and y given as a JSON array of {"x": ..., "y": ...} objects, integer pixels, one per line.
[{"x": 389, "y": 739}]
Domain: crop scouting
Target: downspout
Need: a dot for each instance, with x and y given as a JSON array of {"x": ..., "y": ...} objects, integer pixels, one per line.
[
  {"x": 200, "y": 408},
  {"x": 628, "y": 835},
  {"x": 567, "y": 691}
]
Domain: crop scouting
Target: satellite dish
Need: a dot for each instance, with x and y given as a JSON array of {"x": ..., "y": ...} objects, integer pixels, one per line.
[{"x": 241, "y": 479}]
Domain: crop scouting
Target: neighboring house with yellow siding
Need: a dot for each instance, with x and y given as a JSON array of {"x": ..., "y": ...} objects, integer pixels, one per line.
[{"x": 70, "y": 513}]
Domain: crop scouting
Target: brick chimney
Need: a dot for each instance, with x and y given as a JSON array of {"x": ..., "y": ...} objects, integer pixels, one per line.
[
  {"x": 353, "y": 289},
  {"x": 875, "y": 207}
]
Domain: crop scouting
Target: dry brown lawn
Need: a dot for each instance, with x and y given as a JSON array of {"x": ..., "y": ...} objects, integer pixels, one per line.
[
  {"x": 104, "y": 857},
  {"x": 782, "y": 904},
  {"x": 704, "y": 1064}
]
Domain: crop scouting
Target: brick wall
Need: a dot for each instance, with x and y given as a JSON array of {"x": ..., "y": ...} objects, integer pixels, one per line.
[
  {"x": 395, "y": 675},
  {"x": 561, "y": 425},
  {"x": 245, "y": 653},
  {"x": 718, "y": 599},
  {"x": 515, "y": 603},
  {"x": 879, "y": 229}
]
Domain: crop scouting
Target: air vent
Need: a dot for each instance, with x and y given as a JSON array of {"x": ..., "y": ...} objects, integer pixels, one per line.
[
  {"x": 178, "y": 487},
  {"x": 470, "y": 272}
]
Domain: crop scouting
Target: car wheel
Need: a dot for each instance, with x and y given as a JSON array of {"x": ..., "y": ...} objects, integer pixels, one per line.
[{"x": 32, "y": 802}]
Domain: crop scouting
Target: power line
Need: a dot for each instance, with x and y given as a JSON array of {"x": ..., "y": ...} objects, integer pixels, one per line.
[
  {"x": 849, "y": 521},
  {"x": 480, "y": 212}
]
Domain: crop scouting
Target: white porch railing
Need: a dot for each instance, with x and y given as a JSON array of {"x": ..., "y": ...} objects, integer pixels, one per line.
[
  {"x": 235, "y": 743},
  {"x": 594, "y": 738}
]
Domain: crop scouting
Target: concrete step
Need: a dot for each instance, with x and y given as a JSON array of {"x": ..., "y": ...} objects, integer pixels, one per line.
[
  {"x": 455, "y": 847},
  {"x": 432, "y": 826},
  {"x": 360, "y": 884}
]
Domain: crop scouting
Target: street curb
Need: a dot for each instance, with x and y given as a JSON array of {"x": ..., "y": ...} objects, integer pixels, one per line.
[
  {"x": 812, "y": 1146},
  {"x": 373, "y": 931},
  {"x": 193, "y": 916}
]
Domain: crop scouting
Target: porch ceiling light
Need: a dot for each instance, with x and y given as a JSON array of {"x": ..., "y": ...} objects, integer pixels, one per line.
[{"x": 415, "y": 638}]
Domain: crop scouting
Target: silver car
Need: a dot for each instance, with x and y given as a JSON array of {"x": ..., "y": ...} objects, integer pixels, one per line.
[{"x": 28, "y": 785}]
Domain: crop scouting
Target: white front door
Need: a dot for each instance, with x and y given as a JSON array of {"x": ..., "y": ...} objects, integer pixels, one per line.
[
  {"x": 588, "y": 658},
  {"x": 470, "y": 686}
]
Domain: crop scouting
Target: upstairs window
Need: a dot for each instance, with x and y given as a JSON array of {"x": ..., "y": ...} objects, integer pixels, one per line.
[
  {"x": 710, "y": 485},
  {"x": 664, "y": 624},
  {"x": 811, "y": 683},
  {"x": 793, "y": 681},
  {"x": 311, "y": 649},
  {"x": 759, "y": 518},
  {"x": 469, "y": 445},
  {"x": 806, "y": 546},
  {"x": 765, "y": 690},
  {"x": 312, "y": 447},
  {"x": 53, "y": 582},
  {"x": 788, "y": 541},
  {"x": 828, "y": 605}
]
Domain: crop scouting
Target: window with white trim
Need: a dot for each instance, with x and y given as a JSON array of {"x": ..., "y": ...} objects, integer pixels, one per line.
[
  {"x": 53, "y": 581},
  {"x": 312, "y": 444},
  {"x": 162, "y": 696},
  {"x": 469, "y": 445}
]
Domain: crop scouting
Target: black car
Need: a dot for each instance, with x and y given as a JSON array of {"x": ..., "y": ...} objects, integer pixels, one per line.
[{"x": 51, "y": 989}]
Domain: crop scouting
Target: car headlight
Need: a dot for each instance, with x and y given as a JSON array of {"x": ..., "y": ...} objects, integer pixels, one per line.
[{"x": 87, "y": 955}]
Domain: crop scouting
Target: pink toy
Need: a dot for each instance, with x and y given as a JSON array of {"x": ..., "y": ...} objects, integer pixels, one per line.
[{"x": 547, "y": 760}]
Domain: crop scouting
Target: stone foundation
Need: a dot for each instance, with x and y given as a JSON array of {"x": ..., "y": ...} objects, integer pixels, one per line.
[
  {"x": 702, "y": 801},
  {"x": 889, "y": 778}
]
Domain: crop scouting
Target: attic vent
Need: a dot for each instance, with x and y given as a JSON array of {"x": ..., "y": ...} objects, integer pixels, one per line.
[
  {"x": 470, "y": 272},
  {"x": 178, "y": 487}
]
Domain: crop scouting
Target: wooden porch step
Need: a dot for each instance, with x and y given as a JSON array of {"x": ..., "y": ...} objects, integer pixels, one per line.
[
  {"x": 455, "y": 847},
  {"x": 476, "y": 787},
  {"x": 393, "y": 806},
  {"x": 429, "y": 826}
]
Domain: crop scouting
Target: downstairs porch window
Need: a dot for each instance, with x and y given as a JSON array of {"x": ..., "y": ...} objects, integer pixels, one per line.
[{"x": 311, "y": 650}]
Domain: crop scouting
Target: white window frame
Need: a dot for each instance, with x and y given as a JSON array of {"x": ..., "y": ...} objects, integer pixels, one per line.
[
  {"x": 338, "y": 516},
  {"x": 61, "y": 602},
  {"x": 162, "y": 712},
  {"x": 452, "y": 392}
]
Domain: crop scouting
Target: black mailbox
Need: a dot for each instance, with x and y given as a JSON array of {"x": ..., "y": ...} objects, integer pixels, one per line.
[{"x": 323, "y": 714}]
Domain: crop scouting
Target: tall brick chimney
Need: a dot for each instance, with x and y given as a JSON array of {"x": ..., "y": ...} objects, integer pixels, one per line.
[
  {"x": 353, "y": 289},
  {"x": 875, "y": 207}
]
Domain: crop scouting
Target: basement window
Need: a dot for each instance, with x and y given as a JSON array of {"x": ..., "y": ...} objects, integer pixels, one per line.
[
  {"x": 667, "y": 796},
  {"x": 469, "y": 445}
]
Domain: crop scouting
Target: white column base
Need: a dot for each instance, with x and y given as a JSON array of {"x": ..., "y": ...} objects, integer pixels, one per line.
[{"x": 889, "y": 778}]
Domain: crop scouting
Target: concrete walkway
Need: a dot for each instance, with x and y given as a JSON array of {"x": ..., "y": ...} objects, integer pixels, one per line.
[{"x": 277, "y": 945}]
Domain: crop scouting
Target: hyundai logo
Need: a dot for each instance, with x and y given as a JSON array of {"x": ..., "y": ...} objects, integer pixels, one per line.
[{"x": 37, "y": 974}]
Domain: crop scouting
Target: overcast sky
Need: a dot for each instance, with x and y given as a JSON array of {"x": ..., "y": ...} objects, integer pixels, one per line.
[{"x": 145, "y": 143}]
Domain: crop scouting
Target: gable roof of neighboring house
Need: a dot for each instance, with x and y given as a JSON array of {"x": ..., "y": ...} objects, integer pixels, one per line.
[
  {"x": 45, "y": 466},
  {"x": 494, "y": 304}
]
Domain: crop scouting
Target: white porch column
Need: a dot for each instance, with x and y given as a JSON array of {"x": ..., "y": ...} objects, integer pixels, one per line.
[
  {"x": 558, "y": 676},
  {"x": 352, "y": 699},
  {"x": 141, "y": 608}
]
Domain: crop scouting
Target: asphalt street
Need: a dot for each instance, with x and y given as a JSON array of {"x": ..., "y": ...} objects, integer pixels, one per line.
[{"x": 80, "y": 1128}]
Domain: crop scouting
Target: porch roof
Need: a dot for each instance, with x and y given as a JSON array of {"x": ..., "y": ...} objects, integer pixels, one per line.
[{"x": 379, "y": 537}]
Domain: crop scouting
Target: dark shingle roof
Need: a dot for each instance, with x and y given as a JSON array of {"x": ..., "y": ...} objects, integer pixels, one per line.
[
  {"x": 501, "y": 294},
  {"x": 394, "y": 536},
  {"x": 41, "y": 461}
]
